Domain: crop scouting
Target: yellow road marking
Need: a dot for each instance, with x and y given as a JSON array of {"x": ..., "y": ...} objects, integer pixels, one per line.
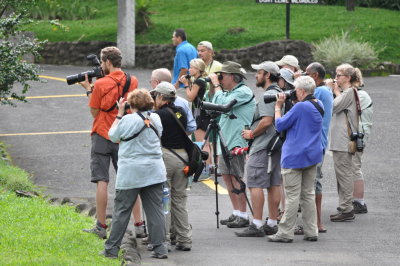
[
  {"x": 54, "y": 78},
  {"x": 210, "y": 183},
  {"x": 55, "y": 96},
  {"x": 45, "y": 133}
]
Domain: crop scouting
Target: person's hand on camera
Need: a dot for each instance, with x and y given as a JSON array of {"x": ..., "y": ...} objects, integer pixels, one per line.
[
  {"x": 280, "y": 100},
  {"x": 184, "y": 80},
  {"x": 86, "y": 84},
  {"x": 121, "y": 106},
  {"x": 247, "y": 134}
]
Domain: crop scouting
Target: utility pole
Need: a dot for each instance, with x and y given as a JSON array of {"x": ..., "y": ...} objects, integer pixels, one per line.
[{"x": 126, "y": 31}]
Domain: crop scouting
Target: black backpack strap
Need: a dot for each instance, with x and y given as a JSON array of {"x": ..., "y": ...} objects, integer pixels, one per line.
[
  {"x": 124, "y": 91},
  {"x": 141, "y": 130},
  {"x": 319, "y": 108},
  {"x": 177, "y": 120},
  {"x": 177, "y": 155}
]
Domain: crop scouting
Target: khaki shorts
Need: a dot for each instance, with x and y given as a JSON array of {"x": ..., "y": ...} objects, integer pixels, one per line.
[
  {"x": 257, "y": 170},
  {"x": 236, "y": 165}
]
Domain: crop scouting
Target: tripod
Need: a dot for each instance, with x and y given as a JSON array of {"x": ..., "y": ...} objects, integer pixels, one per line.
[{"x": 214, "y": 129}]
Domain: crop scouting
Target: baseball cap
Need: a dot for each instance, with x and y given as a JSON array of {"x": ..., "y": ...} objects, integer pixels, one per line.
[
  {"x": 231, "y": 67},
  {"x": 289, "y": 60},
  {"x": 206, "y": 44},
  {"x": 165, "y": 88},
  {"x": 268, "y": 66},
  {"x": 287, "y": 75}
]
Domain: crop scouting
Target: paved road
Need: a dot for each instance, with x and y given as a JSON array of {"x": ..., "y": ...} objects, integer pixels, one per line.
[{"x": 60, "y": 163}]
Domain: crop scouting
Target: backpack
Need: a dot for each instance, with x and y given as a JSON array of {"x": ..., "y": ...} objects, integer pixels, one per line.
[{"x": 196, "y": 164}]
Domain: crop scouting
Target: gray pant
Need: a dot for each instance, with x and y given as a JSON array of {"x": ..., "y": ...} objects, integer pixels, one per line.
[
  {"x": 343, "y": 163},
  {"x": 299, "y": 187},
  {"x": 177, "y": 183},
  {"x": 152, "y": 204}
]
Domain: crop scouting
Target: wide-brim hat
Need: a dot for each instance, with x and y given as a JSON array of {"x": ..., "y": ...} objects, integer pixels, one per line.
[
  {"x": 230, "y": 67},
  {"x": 287, "y": 75}
]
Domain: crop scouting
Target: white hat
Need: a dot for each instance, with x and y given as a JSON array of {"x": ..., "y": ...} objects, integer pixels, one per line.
[
  {"x": 287, "y": 75},
  {"x": 288, "y": 60},
  {"x": 206, "y": 44},
  {"x": 268, "y": 66},
  {"x": 165, "y": 88}
]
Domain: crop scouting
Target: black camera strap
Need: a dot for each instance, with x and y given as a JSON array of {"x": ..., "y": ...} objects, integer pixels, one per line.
[
  {"x": 124, "y": 91},
  {"x": 147, "y": 124},
  {"x": 310, "y": 98}
]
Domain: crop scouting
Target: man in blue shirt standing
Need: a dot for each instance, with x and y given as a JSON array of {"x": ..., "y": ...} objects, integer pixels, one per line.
[
  {"x": 184, "y": 53},
  {"x": 323, "y": 93}
]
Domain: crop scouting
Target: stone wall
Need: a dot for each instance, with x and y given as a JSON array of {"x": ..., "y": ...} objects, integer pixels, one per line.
[{"x": 156, "y": 56}]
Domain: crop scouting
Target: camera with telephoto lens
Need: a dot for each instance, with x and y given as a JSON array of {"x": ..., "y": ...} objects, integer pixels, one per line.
[
  {"x": 96, "y": 72},
  {"x": 268, "y": 98},
  {"x": 358, "y": 137}
]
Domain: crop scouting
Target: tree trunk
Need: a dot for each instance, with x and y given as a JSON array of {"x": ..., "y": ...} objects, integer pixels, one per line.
[{"x": 350, "y": 5}]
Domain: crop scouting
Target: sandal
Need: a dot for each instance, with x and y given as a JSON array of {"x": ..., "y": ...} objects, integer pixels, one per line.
[{"x": 298, "y": 230}]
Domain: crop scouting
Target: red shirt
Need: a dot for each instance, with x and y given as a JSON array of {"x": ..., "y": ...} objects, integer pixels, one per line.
[{"x": 106, "y": 92}]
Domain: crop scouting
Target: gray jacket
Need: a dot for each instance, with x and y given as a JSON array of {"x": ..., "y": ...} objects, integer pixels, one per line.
[{"x": 338, "y": 134}]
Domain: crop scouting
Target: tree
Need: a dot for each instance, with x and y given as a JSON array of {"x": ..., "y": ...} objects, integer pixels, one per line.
[{"x": 14, "y": 46}]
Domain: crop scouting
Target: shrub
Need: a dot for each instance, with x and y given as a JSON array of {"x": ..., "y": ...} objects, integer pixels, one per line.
[
  {"x": 388, "y": 4},
  {"x": 62, "y": 10},
  {"x": 336, "y": 50}
]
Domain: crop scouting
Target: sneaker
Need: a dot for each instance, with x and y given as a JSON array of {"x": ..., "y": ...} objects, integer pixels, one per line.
[
  {"x": 99, "y": 231},
  {"x": 228, "y": 220},
  {"x": 183, "y": 246},
  {"x": 310, "y": 238},
  {"x": 251, "y": 231},
  {"x": 239, "y": 222},
  {"x": 358, "y": 208},
  {"x": 140, "y": 230},
  {"x": 276, "y": 238},
  {"x": 157, "y": 255},
  {"x": 343, "y": 216},
  {"x": 108, "y": 255},
  {"x": 268, "y": 230}
]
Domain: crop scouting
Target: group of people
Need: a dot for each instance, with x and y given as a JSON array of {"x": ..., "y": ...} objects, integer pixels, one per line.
[{"x": 285, "y": 139}]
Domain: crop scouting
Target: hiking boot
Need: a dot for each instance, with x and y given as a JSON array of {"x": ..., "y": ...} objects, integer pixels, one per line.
[
  {"x": 268, "y": 230},
  {"x": 157, "y": 255},
  {"x": 251, "y": 231},
  {"x": 311, "y": 238},
  {"x": 228, "y": 220},
  {"x": 99, "y": 231},
  {"x": 239, "y": 222},
  {"x": 108, "y": 255},
  {"x": 343, "y": 216},
  {"x": 140, "y": 230},
  {"x": 183, "y": 246},
  {"x": 358, "y": 208},
  {"x": 276, "y": 238}
]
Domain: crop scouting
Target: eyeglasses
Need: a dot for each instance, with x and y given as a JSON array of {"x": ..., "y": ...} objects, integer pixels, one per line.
[{"x": 339, "y": 75}]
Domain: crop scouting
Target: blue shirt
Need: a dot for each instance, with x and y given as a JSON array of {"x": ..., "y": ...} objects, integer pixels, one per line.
[
  {"x": 140, "y": 162},
  {"x": 184, "y": 53},
  {"x": 303, "y": 146},
  {"x": 191, "y": 122},
  {"x": 324, "y": 94}
]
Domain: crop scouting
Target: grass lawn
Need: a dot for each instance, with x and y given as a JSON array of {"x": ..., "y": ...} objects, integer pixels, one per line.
[
  {"x": 211, "y": 20},
  {"x": 34, "y": 232}
]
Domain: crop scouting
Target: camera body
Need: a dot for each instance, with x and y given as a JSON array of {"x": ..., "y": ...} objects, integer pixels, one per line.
[
  {"x": 358, "y": 138},
  {"x": 96, "y": 72},
  {"x": 272, "y": 98}
]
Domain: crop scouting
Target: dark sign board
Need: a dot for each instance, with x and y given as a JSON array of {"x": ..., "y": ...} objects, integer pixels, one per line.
[{"x": 287, "y": 1}]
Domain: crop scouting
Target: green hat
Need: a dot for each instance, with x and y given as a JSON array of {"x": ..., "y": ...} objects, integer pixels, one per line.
[{"x": 232, "y": 68}]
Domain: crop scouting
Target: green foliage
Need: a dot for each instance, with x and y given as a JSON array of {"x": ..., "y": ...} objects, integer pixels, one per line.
[
  {"x": 63, "y": 10},
  {"x": 142, "y": 18},
  {"x": 13, "y": 47},
  {"x": 36, "y": 233},
  {"x": 389, "y": 4},
  {"x": 336, "y": 50}
]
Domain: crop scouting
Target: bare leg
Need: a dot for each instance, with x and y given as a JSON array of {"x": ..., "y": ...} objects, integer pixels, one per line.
[
  {"x": 274, "y": 197},
  {"x": 137, "y": 215},
  {"x": 318, "y": 204},
  {"x": 101, "y": 201},
  {"x": 257, "y": 202},
  {"x": 358, "y": 192},
  {"x": 238, "y": 201}
]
